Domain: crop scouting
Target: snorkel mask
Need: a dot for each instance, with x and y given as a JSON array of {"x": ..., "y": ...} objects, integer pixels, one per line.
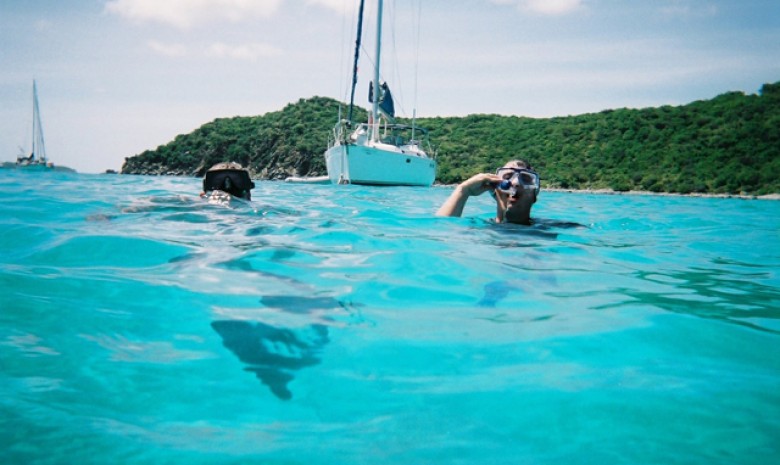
[
  {"x": 230, "y": 178},
  {"x": 517, "y": 178}
]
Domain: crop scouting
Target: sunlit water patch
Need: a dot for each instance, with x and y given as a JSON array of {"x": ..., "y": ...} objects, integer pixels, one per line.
[{"x": 344, "y": 324}]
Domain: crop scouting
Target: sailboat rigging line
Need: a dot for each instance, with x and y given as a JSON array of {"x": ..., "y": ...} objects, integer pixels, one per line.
[
  {"x": 416, "y": 60},
  {"x": 342, "y": 55},
  {"x": 397, "y": 81},
  {"x": 357, "y": 54}
]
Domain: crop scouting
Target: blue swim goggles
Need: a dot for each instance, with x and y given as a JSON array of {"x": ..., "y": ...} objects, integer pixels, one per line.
[{"x": 517, "y": 178}]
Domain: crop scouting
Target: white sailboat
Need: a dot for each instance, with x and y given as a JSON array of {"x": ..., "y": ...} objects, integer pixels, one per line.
[
  {"x": 36, "y": 160},
  {"x": 378, "y": 152}
]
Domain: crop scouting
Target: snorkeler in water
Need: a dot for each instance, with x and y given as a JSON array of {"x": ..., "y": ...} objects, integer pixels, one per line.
[
  {"x": 515, "y": 187},
  {"x": 226, "y": 180}
]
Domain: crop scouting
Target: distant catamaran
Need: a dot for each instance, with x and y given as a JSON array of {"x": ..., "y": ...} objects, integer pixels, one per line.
[
  {"x": 37, "y": 158},
  {"x": 378, "y": 152}
]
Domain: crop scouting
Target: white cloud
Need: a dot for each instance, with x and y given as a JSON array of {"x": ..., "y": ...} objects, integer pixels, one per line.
[
  {"x": 249, "y": 52},
  {"x": 544, "y": 7},
  {"x": 187, "y": 13},
  {"x": 339, "y": 6},
  {"x": 170, "y": 50},
  {"x": 553, "y": 7}
]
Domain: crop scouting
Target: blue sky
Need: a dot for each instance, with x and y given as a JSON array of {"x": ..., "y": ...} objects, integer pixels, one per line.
[{"x": 117, "y": 77}]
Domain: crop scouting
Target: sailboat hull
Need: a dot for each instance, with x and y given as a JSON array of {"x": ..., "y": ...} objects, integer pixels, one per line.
[
  {"x": 34, "y": 166},
  {"x": 376, "y": 166}
]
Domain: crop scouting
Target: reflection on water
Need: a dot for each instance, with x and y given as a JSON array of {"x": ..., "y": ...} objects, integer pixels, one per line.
[
  {"x": 400, "y": 338},
  {"x": 736, "y": 298}
]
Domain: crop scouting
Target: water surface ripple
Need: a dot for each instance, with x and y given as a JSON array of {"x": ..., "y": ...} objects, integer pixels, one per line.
[{"x": 343, "y": 324}]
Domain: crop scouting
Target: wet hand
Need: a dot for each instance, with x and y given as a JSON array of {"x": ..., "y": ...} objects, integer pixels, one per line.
[{"x": 479, "y": 184}]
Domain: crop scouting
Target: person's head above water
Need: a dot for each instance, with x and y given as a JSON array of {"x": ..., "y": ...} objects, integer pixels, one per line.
[
  {"x": 516, "y": 192},
  {"x": 515, "y": 187},
  {"x": 229, "y": 177}
]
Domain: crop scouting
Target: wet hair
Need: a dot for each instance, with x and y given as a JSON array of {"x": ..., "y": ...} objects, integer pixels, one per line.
[{"x": 523, "y": 163}]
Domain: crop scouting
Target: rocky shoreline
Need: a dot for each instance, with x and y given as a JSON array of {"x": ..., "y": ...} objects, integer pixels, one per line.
[
  {"x": 667, "y": 194},
  {"x": 282, "y": 175},
  {"x": 664, "y": 194},
  {"x": 276, "y": 172}
]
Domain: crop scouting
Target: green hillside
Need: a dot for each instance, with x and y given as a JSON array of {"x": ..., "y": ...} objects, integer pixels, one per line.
[{"x": 730, "y": 144}]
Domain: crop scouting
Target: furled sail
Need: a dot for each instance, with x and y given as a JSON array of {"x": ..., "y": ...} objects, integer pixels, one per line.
[{"x": 386, "y": 105}]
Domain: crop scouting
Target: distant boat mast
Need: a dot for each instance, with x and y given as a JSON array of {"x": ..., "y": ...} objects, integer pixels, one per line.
[{"x": 38, "y": 146}]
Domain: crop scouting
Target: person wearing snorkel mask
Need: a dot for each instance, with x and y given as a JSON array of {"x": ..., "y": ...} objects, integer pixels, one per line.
[
  {"x": 514, "y": 186},
  {"x": 226, "y": 180}
]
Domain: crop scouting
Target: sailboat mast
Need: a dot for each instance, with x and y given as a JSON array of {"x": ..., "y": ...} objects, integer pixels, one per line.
[
  {"x": 34, "y": 113},
  {"x": 38, "y": 147},
  {"x": 377, "y": 90},
  {"x": 357, "y": 54}
]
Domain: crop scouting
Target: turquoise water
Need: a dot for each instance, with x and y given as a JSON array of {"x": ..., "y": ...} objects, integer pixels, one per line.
[{"x": 348, "y": 325}]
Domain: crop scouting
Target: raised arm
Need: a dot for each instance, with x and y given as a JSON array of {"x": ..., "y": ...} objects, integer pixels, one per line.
[{"x": 475, "y": 185}]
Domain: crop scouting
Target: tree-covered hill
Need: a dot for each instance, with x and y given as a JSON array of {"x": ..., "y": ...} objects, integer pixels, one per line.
[
  {"x": 730, "y": 144},
  {"x": 275, "y": 145}
]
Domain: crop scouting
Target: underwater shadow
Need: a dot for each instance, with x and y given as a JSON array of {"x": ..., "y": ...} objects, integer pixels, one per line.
[{"x": 273, "y": 354}]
